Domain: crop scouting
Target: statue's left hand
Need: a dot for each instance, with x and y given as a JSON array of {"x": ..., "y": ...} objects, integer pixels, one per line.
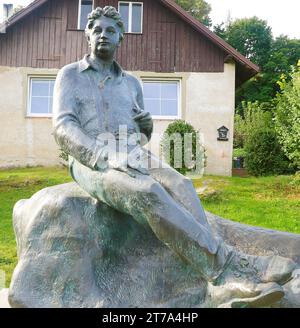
[{"x": 144, "y": 120}]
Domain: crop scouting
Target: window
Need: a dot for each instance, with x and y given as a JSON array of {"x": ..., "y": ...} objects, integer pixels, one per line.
[
  {"x": 7, "y": 10},
  {"x": 40, "y": 96},
  {"x": 162, "y": 98},
  {"x": 132, "y": 15},
  {"x": 85, "y": 7}
]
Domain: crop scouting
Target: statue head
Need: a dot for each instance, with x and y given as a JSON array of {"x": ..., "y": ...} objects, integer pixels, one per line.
[{"x": 104, "y": 31}]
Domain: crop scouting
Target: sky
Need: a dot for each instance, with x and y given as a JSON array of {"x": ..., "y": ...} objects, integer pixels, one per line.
[{"x": 282, "y": 16}]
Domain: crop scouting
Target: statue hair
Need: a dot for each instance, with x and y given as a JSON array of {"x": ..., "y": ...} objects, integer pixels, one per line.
[{"x": 107, "y": 11}]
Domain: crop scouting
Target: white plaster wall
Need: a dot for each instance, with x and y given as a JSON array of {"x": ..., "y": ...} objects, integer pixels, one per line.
[
  {"x": 210, "y": 102},
  {"x": 207, "y": 102},
  {"x": 23, "y": 140}
]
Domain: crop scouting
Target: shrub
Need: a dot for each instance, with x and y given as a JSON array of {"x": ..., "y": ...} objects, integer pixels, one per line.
[
  {"x": 287, "y": 117},
  {"x": 255, "y": 134},
  {"x": 255, "y": 118},
  {"x": 182, "y": 147},
  {"x": 264, "y": 155}
]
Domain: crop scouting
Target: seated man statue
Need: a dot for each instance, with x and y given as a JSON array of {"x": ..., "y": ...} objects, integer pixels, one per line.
[{"x": 93, "y": 100}]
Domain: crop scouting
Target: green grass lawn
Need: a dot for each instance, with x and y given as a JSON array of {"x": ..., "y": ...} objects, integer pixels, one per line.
[
  {"x": 19, "y": 184},
  {"x": 272, "y": 202}
]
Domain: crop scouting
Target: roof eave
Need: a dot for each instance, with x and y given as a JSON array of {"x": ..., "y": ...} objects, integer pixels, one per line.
[{"x": 23, "y": 12}]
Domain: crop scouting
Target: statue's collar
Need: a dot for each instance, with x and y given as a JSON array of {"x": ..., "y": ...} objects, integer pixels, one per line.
[{"x": 86, "y": 63}]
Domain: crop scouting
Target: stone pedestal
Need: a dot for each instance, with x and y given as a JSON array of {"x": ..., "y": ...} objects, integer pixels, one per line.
[{"x": 76, "y": 252}]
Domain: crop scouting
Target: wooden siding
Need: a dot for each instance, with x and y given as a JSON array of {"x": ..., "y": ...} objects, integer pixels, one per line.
[{"x": 48, "y": 39}]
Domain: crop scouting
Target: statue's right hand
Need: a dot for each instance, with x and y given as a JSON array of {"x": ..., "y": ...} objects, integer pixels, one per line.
[
  {"x": 116, "y": 161},
  {"x": 119, "y": 162}
]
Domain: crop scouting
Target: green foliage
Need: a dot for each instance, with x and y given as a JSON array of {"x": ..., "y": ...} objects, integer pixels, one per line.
[
  {"x": 283, "y": 56},
  {"x": 264, "y": 154},
  {"x": 296, "y": 179},
  {"x": 239, "y": 152},
  {"x": 255, "y": 118},
  {"x": 252, "y": 37},
  {"x": 255, "y": 134},
  {"x": 199, "y": 9},
  {"x": 182, "y": 148},
  {"x": 220, "y": 30},
  {"x": 287, "y": 117}
]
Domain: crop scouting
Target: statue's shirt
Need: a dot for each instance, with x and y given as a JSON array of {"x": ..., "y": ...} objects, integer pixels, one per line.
[{"x": 86, "y": 106}]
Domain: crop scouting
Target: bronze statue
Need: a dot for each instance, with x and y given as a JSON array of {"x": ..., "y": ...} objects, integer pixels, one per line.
[{"x": 92, "y": 99}]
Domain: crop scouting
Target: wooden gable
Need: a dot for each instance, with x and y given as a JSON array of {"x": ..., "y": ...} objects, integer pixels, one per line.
[{"x": 48, "y": 38}]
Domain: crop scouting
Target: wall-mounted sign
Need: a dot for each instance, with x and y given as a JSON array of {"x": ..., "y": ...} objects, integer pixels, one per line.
[{"x": 223, "y": 133}]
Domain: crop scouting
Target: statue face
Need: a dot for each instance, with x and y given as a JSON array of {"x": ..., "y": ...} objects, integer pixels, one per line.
[{"x": 104, "y": 37}]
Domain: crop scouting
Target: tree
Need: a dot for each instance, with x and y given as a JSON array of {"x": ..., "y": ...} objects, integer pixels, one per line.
[
  {"x": 17, "y": 9},
  {"x": 199, "y": 9},
  {"x": 252, "y": 37},
  {"x": 284, "y": 55},
  {"x": 220, "y": 30},
  {"x": 287, "y": 117}
]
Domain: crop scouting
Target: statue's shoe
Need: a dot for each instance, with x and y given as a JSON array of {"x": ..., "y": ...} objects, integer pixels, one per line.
[
  {"x": 251, "y": 281},
  {"x": 267, "y": 294},
  {"x": 241, "y": 267},
  {"x": 275, "y": 268}
]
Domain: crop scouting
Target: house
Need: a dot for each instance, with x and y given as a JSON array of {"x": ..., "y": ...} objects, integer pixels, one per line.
[{"x": 187, "y": 72}]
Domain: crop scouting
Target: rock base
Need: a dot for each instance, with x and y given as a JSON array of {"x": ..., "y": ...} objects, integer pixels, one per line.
[{"x": 76, "y": 252}]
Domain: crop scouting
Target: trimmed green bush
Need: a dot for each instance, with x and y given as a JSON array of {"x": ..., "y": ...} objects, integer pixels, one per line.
[
  {"x": 182, "y": 148},
  {"x": 264, "y": 155},
  {"x": 256, "y": 138}
]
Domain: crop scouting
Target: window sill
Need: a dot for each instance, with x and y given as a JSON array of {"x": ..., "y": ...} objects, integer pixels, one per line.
[
  {"x": 39, "y": 116},
  {"x": 165, "y": 118}
]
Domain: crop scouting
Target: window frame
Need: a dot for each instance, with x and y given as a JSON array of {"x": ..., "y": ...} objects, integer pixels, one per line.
[
  {"x": 130, "y": 3},
  {"x": 79, "y": 13},
  {"x": 179, "y": 104},
  {"x": 29, "y": 95}
]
